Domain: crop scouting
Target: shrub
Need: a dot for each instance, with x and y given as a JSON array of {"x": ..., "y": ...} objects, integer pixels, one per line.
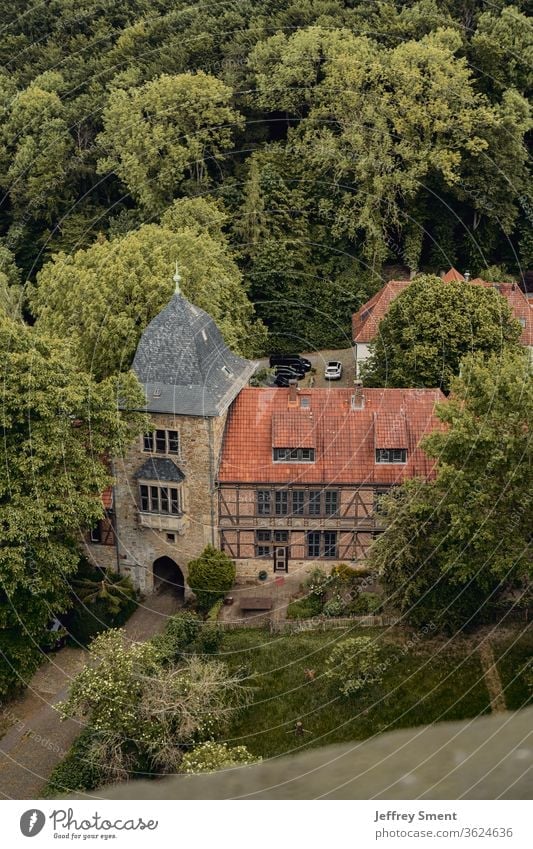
[
  {"x": 211, "y": 756},
  {"x": 364, "y": 603},
  {"x": 334, "y": 607},
  {"x": 212, "y": 616},
  {"x": 209, "y": 639},
  {"x": 102, "y": 599},
  {"x": 354, "y": 664},
  {"x": 345, "y": 574},
  {"x": 77, "y": 771},
  {"x": 181, "y": 631},
  {"x": 304, "y": 608},
  {"x": 19, "y": 658},
  {"x": 211, "y": 576},
  {"x": 318, "y": 582}
]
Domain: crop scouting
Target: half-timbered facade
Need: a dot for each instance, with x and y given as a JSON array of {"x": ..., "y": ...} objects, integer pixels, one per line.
[{"x": 302, "y": 472}]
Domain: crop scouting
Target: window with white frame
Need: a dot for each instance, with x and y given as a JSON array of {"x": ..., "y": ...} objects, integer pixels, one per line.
[
  {"x": 157, "y": 498},
  {"x": 391, "y": 455}
]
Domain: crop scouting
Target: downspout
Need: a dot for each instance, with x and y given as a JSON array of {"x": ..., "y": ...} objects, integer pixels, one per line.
[{"x": 211, "y": 476}]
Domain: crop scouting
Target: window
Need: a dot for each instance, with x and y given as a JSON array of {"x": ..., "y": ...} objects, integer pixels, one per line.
[
  {"x": 281, "y": 536},
  {"x": 282, "y": 502},
  {"x": 263, "y": 502},
  {"x": 96, "y": 533},
  {"x": 313, "y": 544},
  {"x": 322, "y": 544},
  {"x": 162, "y": 442},
  {"x": 314, "y": 503},
  {"x": 294, "y": 455},
  {"x": 330, "y": 544},
  {"x": 298, "y": 502},
  {"x": 160, "y": 499},
  {"x": 262, "y": 537},
  {"x": 331, "y": 499},
  {"x": 305, "y": 402},
  {"x": 391, "y": 455}
]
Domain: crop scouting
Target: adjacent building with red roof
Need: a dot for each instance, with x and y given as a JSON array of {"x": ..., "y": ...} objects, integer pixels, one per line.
[{"x": 365, "y": 321}]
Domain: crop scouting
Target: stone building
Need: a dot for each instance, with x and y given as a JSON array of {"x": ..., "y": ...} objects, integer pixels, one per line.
[
  {"x": 278, "y": 478},
  {"x": 163, "y": 510}
]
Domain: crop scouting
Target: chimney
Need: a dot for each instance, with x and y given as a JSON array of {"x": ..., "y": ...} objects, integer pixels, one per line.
[
  {"x": 293, "y": 394},
  {"x": 467, "y": 276},
  {"x": 357, "y": 401}
]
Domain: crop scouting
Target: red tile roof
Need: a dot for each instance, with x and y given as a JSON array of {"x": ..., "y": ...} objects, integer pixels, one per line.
[
  {"x": 293, "y": 429},
  {"x": 344, "y": 439},
  {"x": 453, "y": 276},
  {"x": 365, "y": 321}
]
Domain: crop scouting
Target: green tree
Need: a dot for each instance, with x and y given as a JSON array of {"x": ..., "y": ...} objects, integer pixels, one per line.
[
  {"x": 142, "y": 713},
  {"x": 354, "y": 664},
  {"x": 105, "y": 296},
  {"x": 211, "y": 575},
  {"x": 57, "y": 425},
  {"x": 166, "y": 130},
  {"x": 453, "y": 546},
  {"x": 431, "y": 326}
]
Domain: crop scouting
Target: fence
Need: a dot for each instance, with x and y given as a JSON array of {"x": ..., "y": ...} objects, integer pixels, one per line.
[
  {"x": 326, "y": 623},
  {"x": 319, "y": 623}
]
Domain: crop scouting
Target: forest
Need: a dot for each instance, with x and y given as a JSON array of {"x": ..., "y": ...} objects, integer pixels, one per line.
[{"x": 290, "y": 156}]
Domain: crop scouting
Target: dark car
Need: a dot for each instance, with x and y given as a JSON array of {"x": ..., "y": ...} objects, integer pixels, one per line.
[
  {"x": 282, "y": 380},
  {"x": 294, "y": 360},
  {"x": 290, "y": 372}
]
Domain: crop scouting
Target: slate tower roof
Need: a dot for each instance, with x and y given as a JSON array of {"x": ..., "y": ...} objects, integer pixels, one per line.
[{"x": 184, "y": 364}]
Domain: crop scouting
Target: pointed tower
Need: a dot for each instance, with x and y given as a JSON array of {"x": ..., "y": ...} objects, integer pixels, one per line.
[{"x": 165, "y": 499}]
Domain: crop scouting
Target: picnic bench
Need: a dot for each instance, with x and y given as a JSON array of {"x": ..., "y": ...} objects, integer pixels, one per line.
[{"x": 256, "y": 602}]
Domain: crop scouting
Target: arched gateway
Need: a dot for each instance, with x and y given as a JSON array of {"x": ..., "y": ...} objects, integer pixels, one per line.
[{"x": 168, "y": 577}]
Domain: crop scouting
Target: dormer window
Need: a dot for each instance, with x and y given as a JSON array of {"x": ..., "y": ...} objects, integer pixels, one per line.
[
  {"x": 293, "y": 455},
  {"x": 391, "y": 455}
]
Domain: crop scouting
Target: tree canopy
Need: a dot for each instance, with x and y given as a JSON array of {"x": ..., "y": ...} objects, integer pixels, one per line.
[
  {"x": 58, "y": 426},
  {"x": 431, "y": 326},
  {"x": 454, "y": 545}
]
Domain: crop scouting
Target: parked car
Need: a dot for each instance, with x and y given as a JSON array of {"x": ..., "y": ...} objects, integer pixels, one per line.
[
  {"x": 289, "y": 371},
  {"x": 282, "y": 380},
  {"x": 333, "y": 370},
  {"x": 290, "y": 360}
]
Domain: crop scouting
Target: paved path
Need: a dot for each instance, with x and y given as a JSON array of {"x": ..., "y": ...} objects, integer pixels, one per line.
[
  {"x": 492, "y": 677},
  {"x": 37, "y": 740}
]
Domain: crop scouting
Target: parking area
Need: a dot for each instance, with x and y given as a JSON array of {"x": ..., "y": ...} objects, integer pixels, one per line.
[{"x": 319, "y": 360}]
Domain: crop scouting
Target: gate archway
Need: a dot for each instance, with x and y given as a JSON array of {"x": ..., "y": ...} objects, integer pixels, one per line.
[{"x": 168, "y": 577}]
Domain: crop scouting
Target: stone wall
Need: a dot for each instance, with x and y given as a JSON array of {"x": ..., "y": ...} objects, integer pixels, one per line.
[{"x": 138, "y": 546}]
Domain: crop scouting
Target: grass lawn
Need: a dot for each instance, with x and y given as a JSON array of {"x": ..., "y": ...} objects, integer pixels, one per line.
[
  {"x": 512, "y": 653},
  {"x": 429, "y": 681}
]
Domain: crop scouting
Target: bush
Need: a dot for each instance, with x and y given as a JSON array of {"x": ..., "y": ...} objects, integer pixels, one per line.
[
  {"x": 77, "y": 771},
  {"x": 334, "y": 607},
  {"x": 19, "y": 658},
  {"x": 364, "y": 603},
  {"x": 209, "y": 639},
  {"x": 211, "y": 756},
  {"x": 345, "y": 574},
  {"x": 305, "y": 608},
  {"x": 181, "y": 631},
  {"x": 212, "y": 616},
  {"x": 102, "y": 599},
  {"x": 318, "y": 582},
  {"x": 211, "y": 576},
  {"x": 354, "y": 664}
]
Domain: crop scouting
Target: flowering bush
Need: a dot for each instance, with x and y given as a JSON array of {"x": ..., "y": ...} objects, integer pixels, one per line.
[
  {"x": 211, "y": 756},
  {"x": 353, "y": 664}
]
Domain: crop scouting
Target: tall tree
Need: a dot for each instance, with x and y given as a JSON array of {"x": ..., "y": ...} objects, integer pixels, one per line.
[
  {"x": 172, "y": 128},
  {"x": 57, "y": 426},
  {"x": 105, "y": 296},
  {"x": 431, "y": 326},
  {"x": 453, "y": 546}
]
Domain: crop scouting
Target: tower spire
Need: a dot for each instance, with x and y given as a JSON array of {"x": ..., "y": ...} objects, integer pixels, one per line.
[{"x": 177, "y": 280}]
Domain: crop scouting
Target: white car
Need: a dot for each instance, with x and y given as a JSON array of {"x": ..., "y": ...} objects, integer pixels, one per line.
[{"x": 333, "y": 370}]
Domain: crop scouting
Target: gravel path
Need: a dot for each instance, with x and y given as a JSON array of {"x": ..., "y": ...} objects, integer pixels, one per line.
[{"x": 37, "y": 740}]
